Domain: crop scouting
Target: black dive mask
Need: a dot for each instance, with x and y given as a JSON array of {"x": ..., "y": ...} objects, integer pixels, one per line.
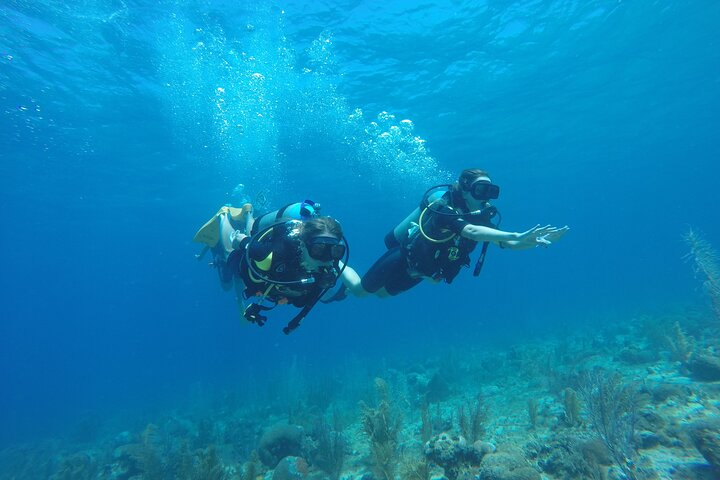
[
  {"x": 483, "y": 190},
  {"x": 326, "y": 249}
]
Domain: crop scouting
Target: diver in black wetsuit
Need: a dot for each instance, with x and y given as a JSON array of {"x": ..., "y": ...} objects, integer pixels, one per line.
[
  {"x": 435, "y": 241},
  {"x": 291, "y": 256}
]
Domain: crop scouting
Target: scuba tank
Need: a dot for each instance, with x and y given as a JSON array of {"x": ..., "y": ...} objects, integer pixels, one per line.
[
  {"x": 407, "y": 228},
  {"x": 304, "y": 210}
]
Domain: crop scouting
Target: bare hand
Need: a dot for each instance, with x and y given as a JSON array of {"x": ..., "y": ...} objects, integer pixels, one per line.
[
  {"x": 542, "y": 236},
  {"x": 556, "y": 234}
]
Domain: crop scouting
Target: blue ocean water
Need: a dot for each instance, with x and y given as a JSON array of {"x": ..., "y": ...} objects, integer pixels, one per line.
[{"x": 126, "y": 124}]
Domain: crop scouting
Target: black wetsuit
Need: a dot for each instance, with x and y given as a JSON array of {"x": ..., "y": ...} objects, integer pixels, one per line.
[{"x": 404, "y": 266}]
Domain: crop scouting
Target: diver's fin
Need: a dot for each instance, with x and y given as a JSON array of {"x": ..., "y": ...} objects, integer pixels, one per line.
[{"x": 209, "y": 234}]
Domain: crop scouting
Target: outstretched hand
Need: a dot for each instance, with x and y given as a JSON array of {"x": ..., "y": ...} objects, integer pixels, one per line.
[
  {"x": 542, "y": 236},
  {"x": 556, "y": 234}
]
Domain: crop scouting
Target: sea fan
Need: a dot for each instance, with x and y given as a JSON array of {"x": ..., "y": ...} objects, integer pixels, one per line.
[{"x": 706, "y": 266}]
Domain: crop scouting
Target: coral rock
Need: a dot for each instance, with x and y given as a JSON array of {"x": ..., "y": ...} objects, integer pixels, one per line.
[
  {"x": 483, "y": 448},
  {"x": 278, "y": 442},
  {"x": 646, "y": 439},
  {"x": 451, "y": 452},
  {"x": 637, "y": 356},
  {"x": 509, "y": 465},
  {"x": 706, "y": 437},
  {"x": 437, "y": 389},
  {"x": 705, "y": 368},
  {"x": 446, "y": 449},
  {"x": 291, "y": 468},
  {"x": 660, "y": 393}
]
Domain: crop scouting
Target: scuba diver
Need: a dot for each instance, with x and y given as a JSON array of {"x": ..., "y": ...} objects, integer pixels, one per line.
[
  {"x": 291, "y": 256},
  {"x": 435, "y": 241}
]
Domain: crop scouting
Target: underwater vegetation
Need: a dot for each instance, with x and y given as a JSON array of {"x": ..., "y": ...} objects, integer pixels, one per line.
[
  {"x": 584, "y": 406},
  {"x": 612, "y": 409},
  {"x": 635, "y": 399},
  {"x": 382, "y": 426},
  {"x": 707, "y": 266}
]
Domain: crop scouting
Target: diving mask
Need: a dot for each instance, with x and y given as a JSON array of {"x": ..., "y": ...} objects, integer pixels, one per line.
[
  {"x": 325, "y": 248},
  {"x": 483, "y": 190}
]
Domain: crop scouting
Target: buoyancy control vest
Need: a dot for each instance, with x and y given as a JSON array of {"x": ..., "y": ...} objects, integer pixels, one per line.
[
  {"x": 273, "y": 260},
  {"x": 271, "y": 267},
  {"x": 434, "y": 250}
]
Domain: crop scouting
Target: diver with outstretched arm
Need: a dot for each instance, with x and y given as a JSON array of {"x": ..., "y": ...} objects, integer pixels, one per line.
[{"x": 435, "y": 241}]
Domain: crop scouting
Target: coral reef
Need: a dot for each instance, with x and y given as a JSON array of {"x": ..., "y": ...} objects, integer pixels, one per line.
[
  {"x": 209, "y": 466},
  {"x": 382, "y": 425},
  {"x": 507, "y": 465},
  {"x": 453, "y": 453},
  {"x": 566, "y": 407},
  {"x": 426, "y": 428},
  {"x": 279, "y": 441},
  {"x": 326, "y": 447},
  {"x": 612, "y": 409},
  {"x": 414, "y": 468},
  {"x": 704, "y": 367},
  {"x": 139, "y": 458},
  {"x": 568, "y": 456},
  {"x": 572, "y": 407},
  {"x": 78, "y": 466},
  {"x": 679, "y": 344},
  {"x": 705, "y": 435},
  {"x": 437, "y": 389},
  {"x": 291, "y": 468},
  {"x": 252, "y": 468},
  {"x": 532, "y": 412},
  {"x": 472, "y": 418}
]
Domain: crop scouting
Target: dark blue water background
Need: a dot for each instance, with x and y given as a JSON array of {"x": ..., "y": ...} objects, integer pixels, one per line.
[{"x": 126, "y": 124}]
